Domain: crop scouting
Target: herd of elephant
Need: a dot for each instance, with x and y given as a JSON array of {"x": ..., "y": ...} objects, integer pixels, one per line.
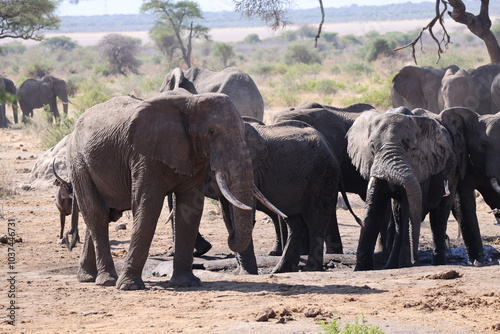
[
  {"x": 33, "y": 94},
  {"x": 191, "y": 141}
]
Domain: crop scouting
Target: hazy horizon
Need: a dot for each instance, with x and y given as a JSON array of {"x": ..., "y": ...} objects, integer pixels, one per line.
[{"x": 111, "y": 7}]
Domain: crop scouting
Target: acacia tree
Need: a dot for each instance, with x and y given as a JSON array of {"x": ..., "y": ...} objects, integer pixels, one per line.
[
  {"x": 120, "y": 52},
  {"x": 179, "y": 17},
  {"x": 26, "y": 18}
]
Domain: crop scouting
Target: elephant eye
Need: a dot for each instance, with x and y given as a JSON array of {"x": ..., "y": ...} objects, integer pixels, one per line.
[{"x": 211, "y": 131}]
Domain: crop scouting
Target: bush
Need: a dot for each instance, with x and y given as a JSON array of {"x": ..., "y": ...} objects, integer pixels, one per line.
[
  {"x": 375, "y": 48},
  {"x": 299, "y": 53},
  {"x": 38, "y": 69},
  {"x": 95, "y": 94},
  {"x": 14, "y": 48},
  {"x": 334, "y": 327},
  {"x": 59, "y": 43},
  {"x": 57, "y": 131},
  {"x": 252, "y": 39}
]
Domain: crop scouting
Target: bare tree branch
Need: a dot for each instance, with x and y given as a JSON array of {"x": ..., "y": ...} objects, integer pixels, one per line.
[
  {"x": 441, "y": 44},
  {"x": 320, "y": 24}
]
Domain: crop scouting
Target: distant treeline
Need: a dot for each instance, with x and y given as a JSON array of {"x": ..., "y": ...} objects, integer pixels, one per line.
[{"x": 143, "y": 22}]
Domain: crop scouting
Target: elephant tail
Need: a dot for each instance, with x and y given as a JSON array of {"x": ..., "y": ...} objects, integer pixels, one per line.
[{"x": 347, "y": 204}]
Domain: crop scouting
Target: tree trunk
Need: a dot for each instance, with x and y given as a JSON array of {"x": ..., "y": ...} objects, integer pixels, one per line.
[{"x": 479, "y": 25}]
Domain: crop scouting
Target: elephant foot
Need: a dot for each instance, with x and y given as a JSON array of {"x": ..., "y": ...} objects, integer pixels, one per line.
[
  {"x": 313, "y": 266},
  {"x": 242, "y": 271},
  {"x": 275, "y": 253},
  {"x": 184, "y": 281},
  {"x": 106, "y": 279},
  {"x": 130, "y": 282},
  {"x": 84, "y": 276},
  {"x": 202, "y": 248}
]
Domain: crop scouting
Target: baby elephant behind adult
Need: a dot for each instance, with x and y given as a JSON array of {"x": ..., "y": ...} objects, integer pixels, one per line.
[{"x": 141, "y": 152}]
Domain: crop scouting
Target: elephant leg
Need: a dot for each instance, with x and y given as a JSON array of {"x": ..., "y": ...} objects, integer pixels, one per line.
[
  {"x": 189, "y": 208},
  {"x": 376, "y": 205},
  {"x": 62, "y": 219},
  {"x": 280, "y": 235},
  {"x": 87, "y": 271},
  {"x": 333, "y": 240},
  {"x": 146, "y": 213},
  {"x": 464, "y": 210},
  {"x": 106, "y": 273},
  {"x": 15, "y": 112},
  {"x": 289, "y": 261},
  {"x": 439, "y": 222},
  {"x": 397, "y": 254},
  {"x": 246, "y": 260}
]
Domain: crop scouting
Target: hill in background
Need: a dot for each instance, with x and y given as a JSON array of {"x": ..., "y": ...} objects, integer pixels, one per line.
[{"x": 227, "y": 19}]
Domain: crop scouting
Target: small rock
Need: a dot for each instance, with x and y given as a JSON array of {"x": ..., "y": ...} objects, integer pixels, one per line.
[
  {"x": 496, "y": 327},
  {"x": 312, "y": 313},
  {"x": 121, "y": 226}
]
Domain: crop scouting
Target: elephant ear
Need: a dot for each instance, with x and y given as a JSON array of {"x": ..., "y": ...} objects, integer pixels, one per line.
[
  {"x": 358, "y": 139},
  {"x": 256, "y": 144},
  {"x": 172, "y": 80},
  {"x": 158, "y": 130},
  {"x": 433, "y": 153},
  {"x": 456, "y": 121},
  {"x": 407, "y": 84}
]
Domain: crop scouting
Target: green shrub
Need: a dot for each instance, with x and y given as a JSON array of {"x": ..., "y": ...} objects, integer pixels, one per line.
[
  {"x": 94, "y": 94},
  {"x": 57, "y": 131},
  {"x": 252, "y": 39},
  {"x": 38, "y": 69},
  {"x": 324, "y": 86},
  {"x": 334, "y": 327},
  {"x": 299, "y": 53},
  {"x": 375, "y": 48},
  {"x": 14, "y": 48}
]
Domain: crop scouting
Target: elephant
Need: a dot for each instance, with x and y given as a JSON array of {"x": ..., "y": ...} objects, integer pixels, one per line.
[
  {"x": 411, "y": 158},
  {"x": 231, "y": 81},
  {"x": 141, "y": 152},
  {"x": 33, "y": 94},
  {"x": 482, "y": 78},
  {"x": 297, "y": 171},
  {"x": 418, "y": 87},
  {"x": 495, "y": 94},
  {"x": 333, "y": 123},
  {"x": 457, "y": 90},
  {"x": 7, "y": 86},
  {"x": 482, "y": 172}
]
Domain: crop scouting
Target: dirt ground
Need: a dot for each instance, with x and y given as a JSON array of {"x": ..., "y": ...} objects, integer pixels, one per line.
[{"x": 48, "y": 298}]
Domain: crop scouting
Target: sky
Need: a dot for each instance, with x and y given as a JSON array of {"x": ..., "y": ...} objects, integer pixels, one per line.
[{"x": 110, "y": 7}]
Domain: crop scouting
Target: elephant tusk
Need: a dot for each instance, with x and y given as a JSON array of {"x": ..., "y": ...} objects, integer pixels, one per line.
[
  {"x": 494, "y": 184},
  {"x": 446, "y": 189},
  {"x": 170, "y": 215},
  {"x": 224, "y": 189},
  {"x": 265, "y": 201},
  {"x": 372, "y": 181}
]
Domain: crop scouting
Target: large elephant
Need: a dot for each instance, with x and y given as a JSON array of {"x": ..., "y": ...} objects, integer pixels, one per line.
[
  {"x": 333, "y": 123},
  {"x": 33, "y": 94},
  {"x": 141, "y": 152},
  {"x": 297, "y": 171},
  {"x": 418, "y": 87},
  {"x": 411, "y": 159},
  {"x": 231, "y": 81},
  {"x": 482, "y": 162},
  {"x": 7, "y": 86}
]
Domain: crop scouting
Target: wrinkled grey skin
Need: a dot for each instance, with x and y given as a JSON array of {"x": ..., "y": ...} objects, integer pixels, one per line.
[
  {"x": 407, "y": 158},
  {"x": 231, "y": 81},
  {"x": 8, "y": 86},
  {"x": 296, "y": 171},
  {"x": 138, "y": 154},
  {"x": 418, "y": 87},
  {"x": 481, "y": 172},
  {"x": 482, "y": 78},
  {"x": 333, "y": 123},
  {"x": 34, "y": 94}
]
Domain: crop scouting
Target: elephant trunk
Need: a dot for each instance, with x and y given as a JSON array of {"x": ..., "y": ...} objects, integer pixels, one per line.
[
  {"x": 237, "y": 178},
  {"x": 393, "y": 168}
]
